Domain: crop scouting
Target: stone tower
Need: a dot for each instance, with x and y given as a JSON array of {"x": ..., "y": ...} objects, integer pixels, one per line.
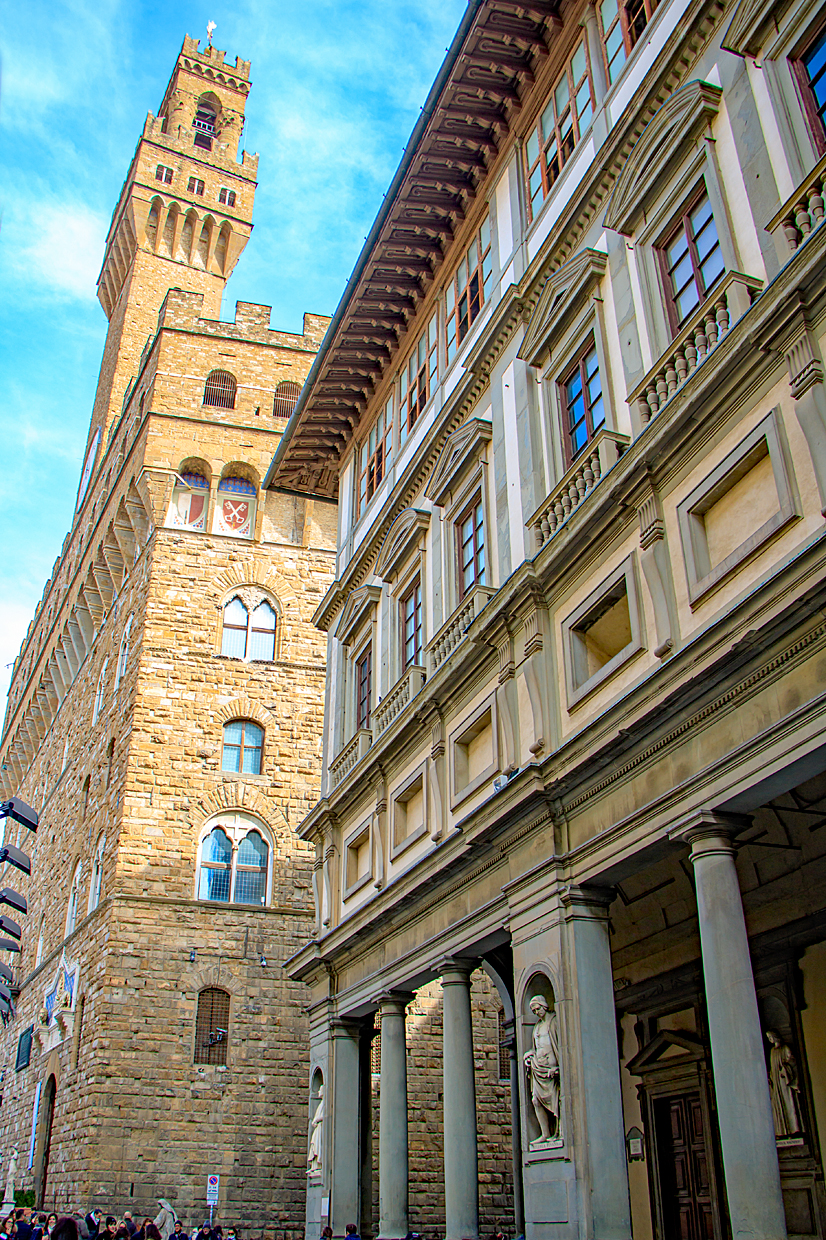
[{"x": 164, "y": 717}]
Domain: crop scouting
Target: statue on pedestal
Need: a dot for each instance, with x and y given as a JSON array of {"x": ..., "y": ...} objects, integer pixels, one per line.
[
  {"x": 542, "y": 1063},
  {"x": 316, "y": 1129},
  {"x": 784, "y": 1086},
  {"x": 8, "y": 1199}
]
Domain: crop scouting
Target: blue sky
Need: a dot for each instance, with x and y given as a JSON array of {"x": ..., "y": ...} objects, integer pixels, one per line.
[{"x": 337, "y": 88}]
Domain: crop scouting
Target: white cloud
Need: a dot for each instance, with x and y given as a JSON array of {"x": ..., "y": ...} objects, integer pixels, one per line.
[{"x": 58, "y": 245}]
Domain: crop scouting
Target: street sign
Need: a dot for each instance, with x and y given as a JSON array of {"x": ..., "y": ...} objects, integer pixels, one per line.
[{"x": 213, "y": 1182}]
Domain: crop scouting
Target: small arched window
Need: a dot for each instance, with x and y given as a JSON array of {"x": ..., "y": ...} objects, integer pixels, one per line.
[
  {"x": 74, "y": 898},
  {"x": 204, "y": 125},
  {"x": 235, "y": 510},
  {"x": 123, "y": 653},
  {"x": 212, "y": 1026},
  {"x": 97, "y": 874},
  {"x": 286, "y": 398},
  {"x": 249, "y": 634},
  {"x": 100, "y": 693},
  {"x": 251, "y": 870},
  {"x": 220, "y": 389},
  {"x": 189, "y": 502},
  {"x": 84, "y": 797},
  {"x": 243, "y": 744}
]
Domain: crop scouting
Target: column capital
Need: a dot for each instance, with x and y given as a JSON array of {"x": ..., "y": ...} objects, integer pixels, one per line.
[
  {"x": 456, "y": 970},
  {"x": 586, "y": 901},
  {"x": 709, "y": 832},
  {"x": 394, "y": 1002}
]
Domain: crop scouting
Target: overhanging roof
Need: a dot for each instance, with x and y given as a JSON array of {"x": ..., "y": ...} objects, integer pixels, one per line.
[{"x": 465, "y": 121}]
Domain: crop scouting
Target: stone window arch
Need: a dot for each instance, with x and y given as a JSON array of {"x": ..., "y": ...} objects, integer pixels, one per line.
[
  {"x": 212, "y": 1026},
  {"x": 220, "y": 389},
  {"x": 235, "y": 861},
  {"x": 97, "y": 874},
  {"x": 250, "y": 626},
  {"x": 74, "y": 899}
]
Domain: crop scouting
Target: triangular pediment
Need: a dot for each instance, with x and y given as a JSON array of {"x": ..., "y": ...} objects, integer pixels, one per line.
[
  {"x": 400, "y": 539},
  {"x": 458, "y": 456},
  {"x": 354, "y": 611},
  {"x": 752, "y": 22},
  {"x": 563, "y": 294},
  {"x": 661, "y": 146},
  {"x": 669, "y": 1045}
]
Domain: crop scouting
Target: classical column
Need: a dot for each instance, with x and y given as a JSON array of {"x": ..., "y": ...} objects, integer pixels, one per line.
[
  {"x": 344, "y": 1115},
  {"x": 596, "y": 1101},
  {"x": 741, "y": 1085},
  {"x": 365, "y": 1219},
  {"x": 461, "y": 1165},
  {"x": 393, "y": 1119}
]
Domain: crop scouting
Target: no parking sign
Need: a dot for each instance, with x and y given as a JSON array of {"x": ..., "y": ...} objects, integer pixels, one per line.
[{"x": 213, "y": 1181}]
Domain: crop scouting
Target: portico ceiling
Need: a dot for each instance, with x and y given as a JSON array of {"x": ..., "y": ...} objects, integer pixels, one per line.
[{"x": 464, "y": 123}]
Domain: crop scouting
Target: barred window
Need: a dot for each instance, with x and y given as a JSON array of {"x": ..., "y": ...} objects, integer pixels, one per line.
[
  {"x": 212, "y": 1026},
  {"x": 285, "y": 399},
  {"x": 220, "y": 389}
]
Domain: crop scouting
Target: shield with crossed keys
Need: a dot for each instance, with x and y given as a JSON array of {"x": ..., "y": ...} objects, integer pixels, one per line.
[{"x": 236, "y": 513}]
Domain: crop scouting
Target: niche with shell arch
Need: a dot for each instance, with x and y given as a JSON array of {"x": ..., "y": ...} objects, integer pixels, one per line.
[{"x": 539, "y": 984}]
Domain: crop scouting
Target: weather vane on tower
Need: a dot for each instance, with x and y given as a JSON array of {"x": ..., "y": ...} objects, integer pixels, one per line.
[{"x": 210, "y": 28}]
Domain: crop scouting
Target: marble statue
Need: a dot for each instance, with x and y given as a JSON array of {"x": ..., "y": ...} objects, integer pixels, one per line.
[
  {"x": 542, "y": 1063},
  {"x": 784, "y": 1086},
  {"x": 8, "y": 1199},
  {"x": 166, "y": 1220},
  {"x": 316, "y": 1127}
]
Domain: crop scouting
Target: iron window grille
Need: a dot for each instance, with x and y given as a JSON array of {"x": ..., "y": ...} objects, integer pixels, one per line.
[
  {"x": 212, "y": 1026},
  {"x": 469, "y": 289},
  {"x": 285, "y": 399},
  {"x": 561, "y": 124},
  {"x": 220, "y": 389}
]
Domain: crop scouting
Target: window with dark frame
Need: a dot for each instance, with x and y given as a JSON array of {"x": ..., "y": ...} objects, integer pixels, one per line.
[
  {"x": 162, "y": 173},
  {"x": 691, "y": 258},
  {"x": 417, "y": 379},
  {"x": 243, "y": 744},
  {"x": 195, "y": 186},
  {"x": 810, "y": 69},
  {"x": 411, "y": 622},
  {"x": 470, "y": 536},
  {"x": 469, "y": 289},
  {"x": 564, "y": 119},
  {"x": 621, "y": 26},
  {"x": 226, "y": 196},
  {"x": 212, "y": 1026},
  {"x": 374, "y": 455},
  {"x": 24, "y": 1049},
  {"x": 364, "y": 685},
  {"x": 204, "y": 126},
  {"x": 582, "y": 402}
]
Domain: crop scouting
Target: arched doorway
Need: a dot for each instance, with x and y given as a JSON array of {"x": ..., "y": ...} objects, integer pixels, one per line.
[{"x": 48, "y": 1116}]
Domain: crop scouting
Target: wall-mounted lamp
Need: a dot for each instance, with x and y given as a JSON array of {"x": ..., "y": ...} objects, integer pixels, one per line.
[
  {"x": 192, "y": 955},
  {"x": 262, "y": 960}
]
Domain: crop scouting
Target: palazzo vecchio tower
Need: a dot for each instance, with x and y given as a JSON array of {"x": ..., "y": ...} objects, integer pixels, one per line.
[{"x": 164, "y": 718}]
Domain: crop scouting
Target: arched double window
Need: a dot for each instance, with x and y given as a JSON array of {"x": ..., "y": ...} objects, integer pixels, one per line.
[
  {"x": 189, "y": 502},
  {"x": 233, "y": 867},
  {"x": 97, "y": 873},
  {"x": 243, "y": 745},
  {"x": 212, "y": 1026},
  {"x": 249, "y": 633},
  {"x": 123, "y": 653},
  {"x": 235, "y": 510},
  {"x": 100, "y": 692},
  {"x": 220, "y": 389},
  {"x": 74, "y": 899},
  {"x": 286, "y": 398}
]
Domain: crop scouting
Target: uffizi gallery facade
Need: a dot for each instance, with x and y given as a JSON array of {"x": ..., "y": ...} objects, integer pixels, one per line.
[{"x": 467, "y": 757}]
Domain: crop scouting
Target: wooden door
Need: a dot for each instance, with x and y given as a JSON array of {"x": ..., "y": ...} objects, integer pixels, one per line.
[{"x": 683, "y": 1169}]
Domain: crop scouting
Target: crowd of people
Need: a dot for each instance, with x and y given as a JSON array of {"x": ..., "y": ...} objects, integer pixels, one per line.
[{"x": 25, "y": 1224}]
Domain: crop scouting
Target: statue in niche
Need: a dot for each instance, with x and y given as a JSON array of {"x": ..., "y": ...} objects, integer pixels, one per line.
[
  {"x": 784, "y": 1085},
  {"x": 542, "y": 1063},
  {"x": 316, "y": 1129}
]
